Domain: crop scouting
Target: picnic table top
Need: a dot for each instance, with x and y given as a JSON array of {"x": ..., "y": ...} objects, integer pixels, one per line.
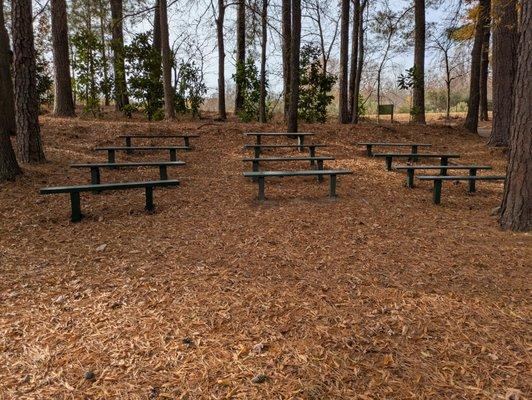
[
  {"x": 298, "y": 173},
  {"x": 107, "y": 186},
  {"x": 132, "y": 164},
  {"x": 278, "y": 134},
  {"x": 461, "y": 177},
  {"x": 449, "y": 155},
  {"x": 443, "y": 167},
  {"x": 393, "y": 144},
  {"x": 322, "y": 158},
  {"x": 157, "y": 135},
  {"x": 285, "y": 145},
  {"x": 126, "y": 148}
]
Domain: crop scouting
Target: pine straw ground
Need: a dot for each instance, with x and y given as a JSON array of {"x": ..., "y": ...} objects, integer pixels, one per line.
[{"x": 377, "y": 295}]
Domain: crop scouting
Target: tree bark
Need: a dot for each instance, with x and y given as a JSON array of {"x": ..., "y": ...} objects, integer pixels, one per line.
[
  {"x": 119, "y": 68},
  {"x": 105, "y": 63},
  {"x": 505, "y": 39},
  {"x": 355, "y": 116},
  {"x": 222, "y": 113},
  {"x": 418, "y": 98},
  {"x": 25, "y": 84},
  {"x": 471, "y": 122},
  {"x": 9, "y": 167},
  {"x": 157, "y": 27},
  {"x": 63, "y": 99},
  {"x": 169, "y": 111},
  {"x": 240, "y": 50},
  {"x": 294, "y": 65},
  {"x": 264, "y": 23},
  {"x": 287, "y": 40},
  {"x": 344, "y": 59},
  {"x": 516, "y": 208},
  {"x": 354, "y": 58},
  {"x": 484, "y": 66}
]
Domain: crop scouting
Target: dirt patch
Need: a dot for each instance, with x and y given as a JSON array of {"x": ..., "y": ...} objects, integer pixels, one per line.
[{"x": 376, "y": 295}]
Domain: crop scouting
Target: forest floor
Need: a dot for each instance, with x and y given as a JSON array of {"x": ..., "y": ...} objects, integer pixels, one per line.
[{"x": 378, "y": 294}]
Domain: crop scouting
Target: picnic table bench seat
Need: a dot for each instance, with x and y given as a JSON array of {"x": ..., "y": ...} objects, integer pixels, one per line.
[
  {"x": 444, "y": 158},
  {"x": 262, "y": 175},
  {"x": 443, "y": 170},
  {"x": 413, "y": 146},
  {"x": 299, "y": 135},
  {"x": 185, "y": 136},
  {"x": 438, "y": 180},
  {"x": 258, "y": 147},
  {"x": 162, "y": 165},
  {"x": 111, "y": 150},
  {"x": 74, "y": 191}
]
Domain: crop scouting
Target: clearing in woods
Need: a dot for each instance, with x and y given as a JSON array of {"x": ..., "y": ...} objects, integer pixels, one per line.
[{"x": 376, "y": 295}]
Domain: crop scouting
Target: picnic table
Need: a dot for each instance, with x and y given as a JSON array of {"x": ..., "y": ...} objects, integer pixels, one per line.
[
  {"x": 128, "y": 137},
  {"x": 370, "y": 145}
]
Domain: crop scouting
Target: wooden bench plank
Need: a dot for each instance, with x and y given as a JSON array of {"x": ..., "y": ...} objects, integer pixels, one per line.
[
  {"x": 438, "y": 180},
  {"x": 313, "y": 161},
  {"x": 258, "y": 147},
  {"x": 443, "y": 170},
  {"x": 261, "y": 175},
  {"x": 162, "y": 165},
  {"x": 370, "y": 145},
  {"x": 186, "y": 137},
  {"x": 111, "y": 151},
  {"x": 444, "y": 158},
  {"x": 75, "y": 200},
  {"x": 299, "y": 135}
]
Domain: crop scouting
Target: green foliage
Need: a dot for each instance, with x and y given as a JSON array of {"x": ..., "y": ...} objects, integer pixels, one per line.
[
  {"x": 247, "y": 77},
  {"x": 129, "y": 109},
  {"x": 191, "y": 89},
  {"x": 361, "y": 106},
  {"x": 315, "y": 86},
  {"x": 143, "y": 63},
  {"x": 88, "y": 66},
  {"x": 45, "y": 81},
  {"x": 412, "y": 79}
]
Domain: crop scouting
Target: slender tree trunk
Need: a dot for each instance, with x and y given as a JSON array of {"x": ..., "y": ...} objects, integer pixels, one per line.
[
  {"x": 419, "y": 63},
  {"x": 25, "y": 83},
  {"x": 9, "y": 167},
  {"x": 484, "y": 66},
  {"x": 294, "y": 65},
  {"x": 344, "y": 59},
  {"x": 240, "y": 50},
  {"x": 287, "y": 40},
  {"x": 63, "y": 99},
  {"x": 222, "y": 113},
  {"x": 360, "y": 66},
  {"x": 105, "y": 66},
  {"x": 354, "y": 58},
  {"x": 264, "y": 23},
  {"x": 516, "y": 208},
  {"x": 505, "y": 39},
  {"x": 157, "y": 27},
  {"x": 119, "y": 68},
  {"x": 471, "y": 122},
  {"x": 169, "y": 111}
]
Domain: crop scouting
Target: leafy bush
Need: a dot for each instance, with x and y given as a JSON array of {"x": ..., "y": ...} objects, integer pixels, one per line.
[
  {"x": 247, "y": 77},
  {"x": 315, "y": 86},
  {"x": 191, "y": 89},
  {"x": 143, "y": 64},
  {"x": 45, "y": 81}
]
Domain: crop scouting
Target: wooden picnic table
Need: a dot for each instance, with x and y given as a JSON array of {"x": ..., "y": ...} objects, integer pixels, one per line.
[
  {"x": 185, "y": 136},
  {"x": 370, "y": 145}
]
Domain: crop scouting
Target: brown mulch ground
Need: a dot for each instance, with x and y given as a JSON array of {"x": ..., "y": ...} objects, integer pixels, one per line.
[{"x": 376, "y": 295}]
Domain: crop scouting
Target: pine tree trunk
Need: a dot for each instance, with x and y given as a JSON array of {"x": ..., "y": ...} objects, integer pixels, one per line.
[
  {"x": 484, "y": 67},
  {"x": 25, "y": 84},
  {"x": 105, "y": 64},
  {"x": 157, "y": 27},
  {"x": 264, "y": 23},
  {"x": 419, "y": 63},
  {"x": 222, "y": 113},
  {"x": 119, "y": 68},
  {"x": 354, "y": 58},
  {"x": 344, "y": 59},
  {"x": 63, "y": 100},
  {"x": 471, "y": 122},
  {"x": 294, "y": 65},
  {"x": 360, "y": 66},
  {"x": 505, "y": 39},
  {"x": 516, "y": 209},
  {"x": 240, "y": 49},
  {"x": 169, "y": 111},
  {"x": 8, "y": 163},
  {"x": 287, "y": 40}
]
